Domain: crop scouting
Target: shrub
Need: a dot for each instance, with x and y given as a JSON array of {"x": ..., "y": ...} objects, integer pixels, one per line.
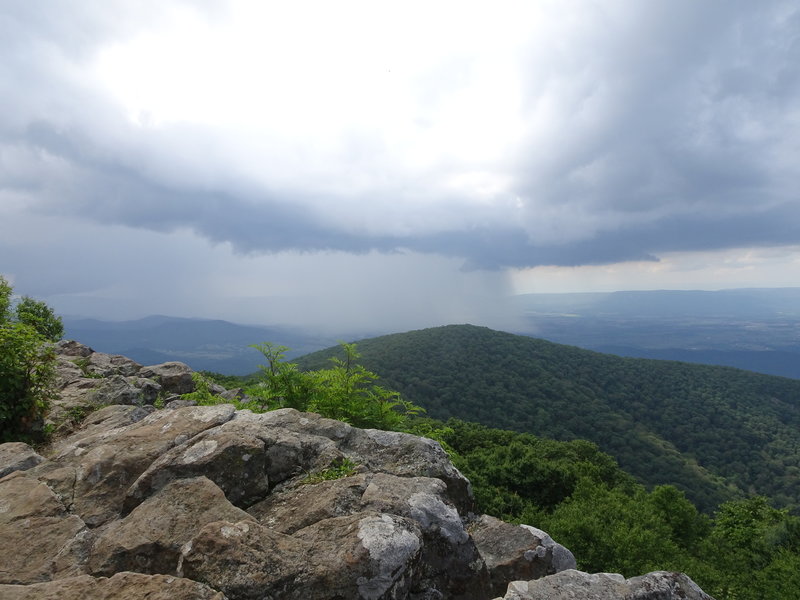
[{"x": 27, "y": 365}]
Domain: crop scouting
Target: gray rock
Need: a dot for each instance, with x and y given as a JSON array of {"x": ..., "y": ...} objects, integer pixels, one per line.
[
  {"x": 388, "y": 557},
  {"x": 246, "y": 560},
  {"x": 149, "y": 539},
  {"x": 88, "y": 380},
  {"x": 292, "y": 452},
  {"x": 107, "y": 365},
  {"x": 368, "y": 556},
  {"x": 128, "y": 586},
  {"x": 449, "y": 561},
  {"x": 72, "y": 348},
  {"x": 174, "y": 377},
  {"x": 233, "y": 455},
  {"x": 563, "y": 558},
  {"x": 216, "y": 389},
  {"x": 576, "y": 585},
  {"x": 400, "y": 454},
  {"x": 178, "y": 402},
  {"x": 665, "y": 585},
  {"x": 294, "y": 508},
  {"x": 149, "y": 390},
  {"x": 234, "y": 394},
  {"x": 100, "y": 467},
  {"x": 510, "y": 552},
  {"x": 41, "y": 540},
  {"x": 116, "y": 390},
  {"x": 67, "y": 371},
  {"x": 17, "y": 456}
]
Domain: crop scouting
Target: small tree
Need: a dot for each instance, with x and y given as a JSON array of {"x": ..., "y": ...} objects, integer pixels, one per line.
[
  {"x": 346, "y": 391},
  {"x": 282, "y": 385},
  {"x": 27, "y": 364},
  {"x": 41, "y": 317}
]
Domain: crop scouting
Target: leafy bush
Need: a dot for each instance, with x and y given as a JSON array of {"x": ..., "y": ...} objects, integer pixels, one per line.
[
  {"x": 41, "y": 317},
  {"x": 27, "y": 365},
  {"x": 344, "y": 468},
  {"x": 202, "y": 393},
  {"x": 346, "y": 391}
]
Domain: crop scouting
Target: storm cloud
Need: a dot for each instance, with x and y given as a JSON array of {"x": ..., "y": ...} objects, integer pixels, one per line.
[{"x": 499, "y": 137}]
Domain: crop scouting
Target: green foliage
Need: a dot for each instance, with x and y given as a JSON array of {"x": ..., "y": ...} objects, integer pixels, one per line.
[
  {"x": 610, "y": 530},
  {"x": 518, "y": 475},
  {"x": 76, "y": 414},
  {"x": 41, "y": 317},
  {"x": 343, "y": 468},
  {"x": 5, "y": 300},
  {"x": 27, "y": 368},
  {"x": 715, "y": 433},
  {"x": 281, "y": 385},
  {"x": 753, "y": 552},
  {"x": 346, "y": 391},
  {"x": 202, "y": 393},
  {"x": 230, "y": 382},
  {"x": 83, "y": 364},
  {"x": 27, "y": 374}
]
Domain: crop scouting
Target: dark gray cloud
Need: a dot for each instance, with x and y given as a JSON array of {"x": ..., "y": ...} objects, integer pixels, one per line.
[{"x": 647, "y": 128}]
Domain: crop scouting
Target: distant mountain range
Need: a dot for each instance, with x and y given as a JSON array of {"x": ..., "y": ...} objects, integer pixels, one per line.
[
  {"x": 715, "y": 432},
  {"x": 754, "y": 329},
  {"x": 203, "y": 344}
]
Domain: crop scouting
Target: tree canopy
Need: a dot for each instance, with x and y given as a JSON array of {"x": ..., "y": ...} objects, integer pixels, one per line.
[{"x": 716, "y": 433}]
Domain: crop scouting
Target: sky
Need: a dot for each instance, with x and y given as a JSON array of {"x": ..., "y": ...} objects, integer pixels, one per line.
[{"x": 393, "y": 165}]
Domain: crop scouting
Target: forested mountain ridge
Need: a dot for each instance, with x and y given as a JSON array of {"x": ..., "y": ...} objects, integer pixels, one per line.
[{"x": 714, "y": 432}]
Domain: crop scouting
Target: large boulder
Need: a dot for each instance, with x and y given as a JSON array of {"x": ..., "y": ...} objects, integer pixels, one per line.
[
  {"x": 449, "y": 560},
  {"x": 71, "y": 348},
  {"x": 150, "y": 538},
  {"x": 93, "y": 472},
  {"x": 514, "y": 550},
  {"x": 576, "y": 585},
  {"x": 41, "y": 540},
  {"x": 370, "y": 556},
  {"x": 17, "y": 456},
  {"x": 174, "y": 377},
  {"x": 232, "y": 459},
  {"x": 246, "y": 560}
]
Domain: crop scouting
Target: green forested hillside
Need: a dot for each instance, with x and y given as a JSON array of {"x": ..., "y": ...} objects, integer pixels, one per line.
[{"x": 714, "y": 432}]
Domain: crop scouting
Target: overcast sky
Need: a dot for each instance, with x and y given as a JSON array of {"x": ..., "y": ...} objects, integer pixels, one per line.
[{"x": 393, "y": 164}]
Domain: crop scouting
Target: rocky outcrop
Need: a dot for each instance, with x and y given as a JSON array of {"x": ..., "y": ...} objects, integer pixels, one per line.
[
  {"x": 173, "y": 377},
  {"x": 576, "y": 585},
  {"x": 88, "y": 380},
  {"x": 165, "y": 491},
  {"x": 211, "y": 502}
]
